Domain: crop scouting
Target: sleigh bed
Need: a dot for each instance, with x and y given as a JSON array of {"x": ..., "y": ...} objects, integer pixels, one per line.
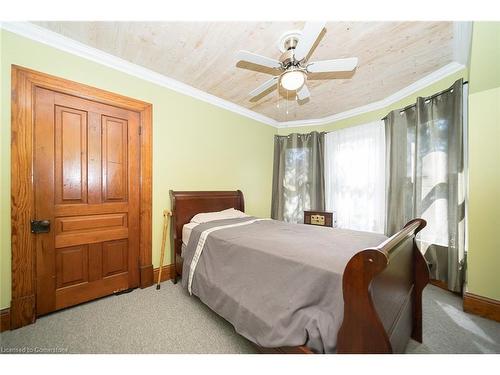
[{"x": 381, "y": 286}]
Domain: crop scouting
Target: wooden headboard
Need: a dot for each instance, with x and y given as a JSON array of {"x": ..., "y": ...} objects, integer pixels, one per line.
[{"x": 186, "y": 204}]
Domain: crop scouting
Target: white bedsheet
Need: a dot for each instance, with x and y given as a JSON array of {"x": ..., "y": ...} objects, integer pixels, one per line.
[{"x": 186, "y": 232}]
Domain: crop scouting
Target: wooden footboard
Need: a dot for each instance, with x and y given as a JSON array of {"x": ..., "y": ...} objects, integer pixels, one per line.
[{"x": 382, "y": 290}]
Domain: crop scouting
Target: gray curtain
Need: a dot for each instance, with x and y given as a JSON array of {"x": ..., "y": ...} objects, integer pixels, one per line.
[
  {"x": 298, "y": 176},
  {"x": 425, "y": 178}
]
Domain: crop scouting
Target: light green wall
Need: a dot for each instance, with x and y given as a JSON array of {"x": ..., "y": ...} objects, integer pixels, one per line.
[
  {"x": 195, "y": 145},
  {"x": 485, "y": 56},
  {"x": 484, "y": 194},
  {"x": 378, "y": 114},
  {"x": 484, "y": 162}
]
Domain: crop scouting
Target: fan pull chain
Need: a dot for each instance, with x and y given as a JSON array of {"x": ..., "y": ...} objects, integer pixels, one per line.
[{"x": 287, "y": 102}]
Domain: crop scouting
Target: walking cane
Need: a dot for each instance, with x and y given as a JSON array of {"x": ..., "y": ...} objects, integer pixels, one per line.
[{"x": 166, "y": 216}]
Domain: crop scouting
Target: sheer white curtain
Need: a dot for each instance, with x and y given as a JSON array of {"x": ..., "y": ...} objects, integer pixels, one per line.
[{"x": 355, "y": 176}]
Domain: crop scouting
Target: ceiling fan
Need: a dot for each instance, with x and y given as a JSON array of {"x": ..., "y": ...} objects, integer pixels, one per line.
[{"x": 292, "y": 68}]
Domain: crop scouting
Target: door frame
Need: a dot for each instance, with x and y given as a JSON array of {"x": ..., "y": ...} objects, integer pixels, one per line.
[{"x": 24, "y": 81}]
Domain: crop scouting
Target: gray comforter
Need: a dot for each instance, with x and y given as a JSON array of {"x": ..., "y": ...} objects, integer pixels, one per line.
[{"x": 278, "y": 284}]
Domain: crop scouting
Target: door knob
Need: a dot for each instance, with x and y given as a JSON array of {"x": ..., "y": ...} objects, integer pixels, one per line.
[{"x": 40, "y": 226}]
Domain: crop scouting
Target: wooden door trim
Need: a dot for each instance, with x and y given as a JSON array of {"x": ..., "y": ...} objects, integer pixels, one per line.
[{"x": 24, "y": 81}]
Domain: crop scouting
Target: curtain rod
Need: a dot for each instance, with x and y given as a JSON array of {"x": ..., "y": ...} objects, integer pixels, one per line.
[{"x": 426, "y": 98}]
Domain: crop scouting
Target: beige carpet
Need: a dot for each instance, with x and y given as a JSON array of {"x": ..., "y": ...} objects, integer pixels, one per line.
[{"x": 169, "y": 321}]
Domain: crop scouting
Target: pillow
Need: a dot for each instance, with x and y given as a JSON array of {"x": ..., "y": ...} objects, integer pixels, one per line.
[{"x": 230, "y": 213}]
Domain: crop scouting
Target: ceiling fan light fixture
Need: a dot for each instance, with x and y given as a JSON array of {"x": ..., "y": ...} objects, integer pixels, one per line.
[
  {"x": 292, "y": 68},
  {"x": 292, "y": 80}
]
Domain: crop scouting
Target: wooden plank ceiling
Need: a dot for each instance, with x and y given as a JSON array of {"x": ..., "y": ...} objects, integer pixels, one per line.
[{"x": 391, "y": 55}]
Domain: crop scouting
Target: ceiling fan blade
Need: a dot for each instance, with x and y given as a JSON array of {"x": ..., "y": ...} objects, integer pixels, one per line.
[
  {"x": 258, "y": 59},
  {"x": 265, "y": 86},
  {"x": 303, "y": 93},
  {"x": 337, "y": 65},
  {"x": 310, "y": 33}
]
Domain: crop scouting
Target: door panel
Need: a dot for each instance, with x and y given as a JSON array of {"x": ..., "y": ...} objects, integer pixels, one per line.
[
  {"x": 114, "y": 159},
  {"x": 115, "y": 257},
  {"x": 71, "y": 224},
  {"x": 72, "y": 265},
  {"x": 70, "y": 155},
  {"x": 86, "y": 180}
]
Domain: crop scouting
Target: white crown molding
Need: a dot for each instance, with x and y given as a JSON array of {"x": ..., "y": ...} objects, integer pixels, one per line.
[
  {"x": 435, "y": 76},
  {"x": 58, "y": 41}
]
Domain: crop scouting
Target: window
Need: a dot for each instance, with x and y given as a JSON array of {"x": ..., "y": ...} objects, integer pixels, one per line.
[
  {"x": 432, "y": 181},
  {"x": 296, "y": 184},
  {"x": 355, "y": 176},
  {"x": 298, "y": 177}
]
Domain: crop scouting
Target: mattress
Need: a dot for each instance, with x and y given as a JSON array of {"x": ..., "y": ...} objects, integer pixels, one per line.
[
  {"x": 186, "y": 232},
  {"x": 278, "y": 284}
]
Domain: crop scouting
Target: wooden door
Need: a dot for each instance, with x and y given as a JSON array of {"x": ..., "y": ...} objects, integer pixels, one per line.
[{"x": 86, "y": 181}]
